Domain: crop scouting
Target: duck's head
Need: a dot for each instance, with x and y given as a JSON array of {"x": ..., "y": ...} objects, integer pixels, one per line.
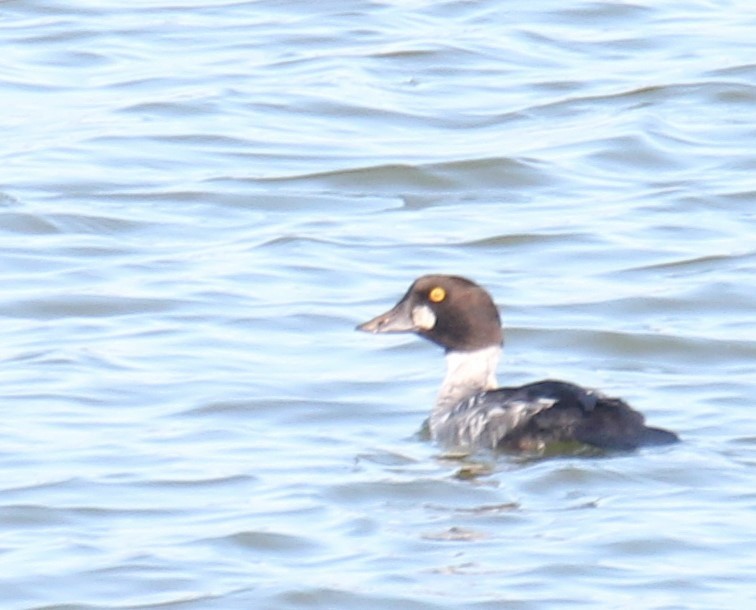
[{"x": 449, "y": 310}]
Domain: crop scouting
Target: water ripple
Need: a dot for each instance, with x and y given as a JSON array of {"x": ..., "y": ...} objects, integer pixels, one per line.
[{"x": 198, "y": 202}]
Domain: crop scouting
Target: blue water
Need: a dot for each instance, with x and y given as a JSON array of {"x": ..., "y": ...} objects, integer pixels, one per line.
[{"x": 198, "y": 202}]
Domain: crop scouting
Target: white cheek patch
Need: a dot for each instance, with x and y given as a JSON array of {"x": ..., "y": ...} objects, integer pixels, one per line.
[{"x": 423, "y": 317}]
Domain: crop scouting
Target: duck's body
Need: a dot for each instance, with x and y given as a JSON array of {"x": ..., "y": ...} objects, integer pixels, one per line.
[{"x": 471, "y": 411}]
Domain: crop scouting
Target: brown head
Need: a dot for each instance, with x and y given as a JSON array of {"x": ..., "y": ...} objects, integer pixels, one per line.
[{"x": 449, "y": 310}]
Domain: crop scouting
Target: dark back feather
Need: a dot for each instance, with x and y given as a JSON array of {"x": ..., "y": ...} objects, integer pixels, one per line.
[{"x": 545, "y": 412}]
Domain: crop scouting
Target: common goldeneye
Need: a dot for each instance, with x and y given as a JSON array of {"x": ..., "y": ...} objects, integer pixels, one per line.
[{"x": 471, "y": 412}]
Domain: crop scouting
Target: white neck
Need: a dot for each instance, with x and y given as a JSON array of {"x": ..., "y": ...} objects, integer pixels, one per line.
[{"x": 467, "y": 373}]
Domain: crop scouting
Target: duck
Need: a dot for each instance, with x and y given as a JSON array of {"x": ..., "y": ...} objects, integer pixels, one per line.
[{"x": 472, "y": 412}]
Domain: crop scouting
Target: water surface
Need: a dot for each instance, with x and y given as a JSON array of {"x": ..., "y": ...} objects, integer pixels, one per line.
[{"x": 199, "y": 201}]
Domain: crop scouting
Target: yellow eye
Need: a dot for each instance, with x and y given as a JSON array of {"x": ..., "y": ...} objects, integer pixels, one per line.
[{"x": 437, "y": 295}]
